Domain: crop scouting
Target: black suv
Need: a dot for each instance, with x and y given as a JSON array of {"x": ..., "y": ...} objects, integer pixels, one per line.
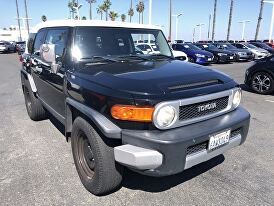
[{"x": 121, "y": 108}]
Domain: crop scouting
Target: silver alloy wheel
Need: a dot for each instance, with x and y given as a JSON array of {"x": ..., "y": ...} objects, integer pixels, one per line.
[{"x": 261, "y": 83}]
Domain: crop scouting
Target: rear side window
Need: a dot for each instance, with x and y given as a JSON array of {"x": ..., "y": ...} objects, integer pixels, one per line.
[
  {"x": 39, "y": 40},
  {"x": 58, "y": 37}
]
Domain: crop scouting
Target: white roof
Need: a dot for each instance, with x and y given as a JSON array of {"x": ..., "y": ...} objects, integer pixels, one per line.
[{"x": 92, "y": 23}]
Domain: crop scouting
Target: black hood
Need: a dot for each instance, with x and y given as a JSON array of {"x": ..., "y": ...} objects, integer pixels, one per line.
[{"x": 151, "y": 77}]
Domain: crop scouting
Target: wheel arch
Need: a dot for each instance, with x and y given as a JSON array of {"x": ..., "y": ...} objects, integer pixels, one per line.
[{"x": 103, "y": 125}]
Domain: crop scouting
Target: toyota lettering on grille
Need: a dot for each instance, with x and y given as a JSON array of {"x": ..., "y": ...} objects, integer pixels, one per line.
[{"x": 206, "y": 107}]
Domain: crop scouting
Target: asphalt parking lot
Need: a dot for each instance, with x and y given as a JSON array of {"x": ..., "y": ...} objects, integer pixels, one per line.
[{"x": 36, "y": 164}]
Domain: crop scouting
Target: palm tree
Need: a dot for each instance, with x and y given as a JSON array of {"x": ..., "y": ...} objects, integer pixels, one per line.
[
  {"x": 214, "y": 20},
  {"x": 113, "y": 15},
  {"x": 140, "y": 7},
  {"x": 130, "y": 12},
  {"x": 71, "y": 5},
  {"x": 106, "y": 7},
  {"x": 5, "y": 28},
  {"x": 230, "y": 19},
  {"x": 100, "y": 10},
  {"x": 43, "y": 18},
  {"x": 259, "y": 19},
  {"x": 123, "y": 17},
  {"x": 90, "y": 7}
]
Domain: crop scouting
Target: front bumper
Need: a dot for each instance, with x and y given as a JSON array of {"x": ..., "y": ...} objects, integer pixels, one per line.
[
  {"x": 205, "y": 60},
  {"x": 245, "y": 57},
  {"x": 226, "y": 58},
  {"x": 168, "y": 152}
]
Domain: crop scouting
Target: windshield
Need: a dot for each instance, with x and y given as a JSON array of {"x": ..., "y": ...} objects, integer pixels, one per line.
[
  {"x": 209, "y": 46},
  {"x": 191, "y": 46},
  {"x": 116, "y": 42},
  {"x": 229, "y": 46},
  {"x": 250, "y": 46}
]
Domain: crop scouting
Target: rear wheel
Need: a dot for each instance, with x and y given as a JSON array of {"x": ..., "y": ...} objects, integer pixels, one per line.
[
  {"x": 262, "y": 83},
  {"x": 34, "y": 107},
  {"x": 94, "y": 159},
  {"x": 190, "y": 59}
]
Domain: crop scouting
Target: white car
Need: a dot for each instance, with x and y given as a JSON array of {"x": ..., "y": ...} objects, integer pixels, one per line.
[
  {"x": 148, "y": 48},
  {"x": 180, "y": 55}
]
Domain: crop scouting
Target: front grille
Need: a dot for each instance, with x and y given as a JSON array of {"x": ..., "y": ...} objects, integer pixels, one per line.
[
  {"x": 192, "y": 111},
  {"x": 203, "y": 146},
  {"x": 196, "y": 148},
  {"x": 235, "y": 133}
]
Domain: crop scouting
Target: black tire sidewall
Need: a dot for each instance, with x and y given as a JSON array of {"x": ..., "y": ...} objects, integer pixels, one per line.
[
  {"x": 271, "y": 90},
  {"x": 105, "y": 165}
]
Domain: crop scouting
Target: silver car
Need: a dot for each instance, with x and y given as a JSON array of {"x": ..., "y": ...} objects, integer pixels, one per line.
[
  {"x": 259, "y": 53},
  {"x": 6, "y": 47}
]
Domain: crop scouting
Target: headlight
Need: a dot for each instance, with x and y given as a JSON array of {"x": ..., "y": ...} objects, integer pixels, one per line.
[
  {"x": 165, "y": 116},
  {"x": 237, "y": 98},
  {"x": 222, "y": 54},
  {"x": 200, "y": 55}
]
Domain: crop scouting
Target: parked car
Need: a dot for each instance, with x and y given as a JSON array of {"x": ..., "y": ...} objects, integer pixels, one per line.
[
  {"x": 180, "y": 55},
  {"x": 241, "y": 54},
  {"x": 195, "y": 54},
  {"x": 148, "y": 48},
  {"x": 258, "y": 52},
  {"x": 260, "y": 76},
  {"x": 220, "y": 55},
  {"x": 150, "y": 113},
  {"x": 20, "y": 47},
  {"x": 263, "y": 46},
  {"x": 6, "y": 47},
  {"x": 271, "y": 43}
]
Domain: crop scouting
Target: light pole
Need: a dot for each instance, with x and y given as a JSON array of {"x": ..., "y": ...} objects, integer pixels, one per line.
[
  {"x": 170, "y": 20},
  {"x": 18, "y": 20},
  {"x": 200, "y": 25},
  {"x": 27, "y": 16},
  {"x": 272, "y": 20},
  {"x": 209, "y": 23},
  {"x": 177, "y": 18},
  {"x": 243, "y": 31},
  {"x": 150, "y": 12}
]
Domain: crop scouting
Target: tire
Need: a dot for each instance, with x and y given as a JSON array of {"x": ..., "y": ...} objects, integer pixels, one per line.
[
  {"x": 34, "y": 107},
  {"x": 190, "y": 59},
  {"x": 94, "y": 159},
  {"x": 262, "y": 83}
]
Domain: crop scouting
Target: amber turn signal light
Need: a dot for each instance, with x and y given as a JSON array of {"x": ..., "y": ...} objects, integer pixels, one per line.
[{"x": 132, "y": 113}]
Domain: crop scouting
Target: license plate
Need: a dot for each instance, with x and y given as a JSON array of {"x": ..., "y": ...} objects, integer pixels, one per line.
[
  {"x": 209, "y": 59},
  {"x": 218, "y": 140},
  {"x": 231, "y": 57}
]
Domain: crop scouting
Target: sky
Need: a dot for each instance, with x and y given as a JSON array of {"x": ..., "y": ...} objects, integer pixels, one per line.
[{"x": 194, "y": 12}]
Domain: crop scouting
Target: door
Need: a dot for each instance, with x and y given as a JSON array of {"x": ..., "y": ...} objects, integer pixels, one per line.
[{"x": 50, "y": 84}]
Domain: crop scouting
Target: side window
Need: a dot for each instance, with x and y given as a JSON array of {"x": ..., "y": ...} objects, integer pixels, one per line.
[
  {"x": 39, "y": 40},
  {"x": 59, "y": 38}
]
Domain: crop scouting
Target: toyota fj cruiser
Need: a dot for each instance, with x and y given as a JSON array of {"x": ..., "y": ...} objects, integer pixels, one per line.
[{"x": 122, "y": 108}]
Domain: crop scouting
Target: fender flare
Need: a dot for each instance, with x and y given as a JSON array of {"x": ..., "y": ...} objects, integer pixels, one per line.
[
  {"x": 108, "y": 128},
  {"x": 30, "y": 79}
]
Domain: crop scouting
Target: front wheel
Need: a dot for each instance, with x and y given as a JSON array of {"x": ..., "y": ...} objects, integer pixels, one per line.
[
  {"x": 94, "y": 159},
  {"x": 262, "y": 83}
]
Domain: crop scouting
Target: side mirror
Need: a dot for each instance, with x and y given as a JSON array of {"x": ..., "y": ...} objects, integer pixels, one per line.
[{"x": 47, "y": 52}]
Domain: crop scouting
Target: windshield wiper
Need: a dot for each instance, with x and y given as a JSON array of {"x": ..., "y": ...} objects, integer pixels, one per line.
[
  {"x": 99, "y": 59},
  {"x": 161, "y": 56},
  {"x": 133, "y": 56}
]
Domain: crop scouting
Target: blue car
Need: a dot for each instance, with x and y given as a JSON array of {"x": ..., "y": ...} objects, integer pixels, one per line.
[{"x": 194, "y": 53}]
